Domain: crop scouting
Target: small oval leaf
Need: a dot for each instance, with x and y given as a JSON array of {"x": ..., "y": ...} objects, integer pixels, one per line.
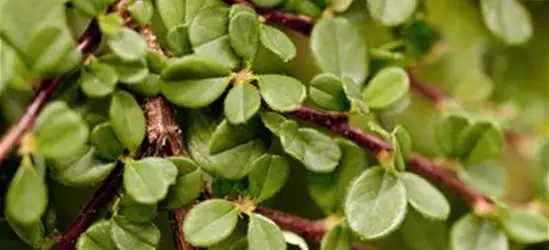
[
  {"x": 473, "y": 233},
  {"x": 282, "y": 93},
  {"x": 96, "y": 237},
  {"x": 241, "y": 103},
  {"x": 326, "y": 91},
  {"x": 263, "y": 234},
  {"x": 210, "y": 222},
  {"x": 277, "y": 42},
  {"x": 244, "y": 35},
  {"x": 425, "y": 198},
  {"x": 392, "y": 12},
  {"x": 269, "y": 174},
  {"x": 128, "y": 235},
  {"x": 386, "y": 87},
  {"x": 127, "y": 119}
]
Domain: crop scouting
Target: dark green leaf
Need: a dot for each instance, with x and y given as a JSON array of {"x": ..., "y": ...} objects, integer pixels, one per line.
[
  {"x": 282, "y": 93},
  {"x": 104, "y": 140},
  {"x": 277, "y": 42},
  {"x": 82, "y": 169},
  {"x": 128, "y": 45},
  {"x": 149, "y": 87},
  {"x": 525, "y": 226},
  {"x": 155, "y": 60},
  {"x": 375, "y": 204},
  {"x": 98, "y": 80},
  {"x": 178, "y": 40},
  {"x": 218, "y": 50},
  {"x": 339, "y": 49},
  {"x": 269, "y": 174},
  {"x": 128, "y": 72},
  {"x": 172, "y": 12},
  {"x": 386, "y": 87},
  {"x": 26, "y": 199},
  {"x": 148, "y": 179},
  {"x": 227, "y": 135},
  {"x": 242, "y": 103},
  {"x": 267, "y": 3},
  {"x": 486, "y": 179},
  {"x": 447, "y": 131},
  {"x": 184, "y": 165},
  {"x": 186, "y": 189},
  {"x": 425, "y": 198},
  {"x": 209, "y": 24},
  {"x": 136, "y": 212},
  {"x": 336, "y": 239},
  {"x": 244, "y": 35},
  {"x": 210, "y": 222},
  {"x": 392, "y": 12},
  {"x": 127, "y": 235},
  {"x": 30, "y": 233},
  {"x": 326, "y": 91},
  {"x": 263, "y": 234},
  {"x": 329, "y": 190},
  {"x": 96, "y": 237},
  {"x": 194, "y": 93},
  {"x": 473, "y": 233},
  {"x": 507, "y": 19},
  {"x": 59, "y": 131},
  {"x": 480, "y": 142},
  {"x": 318, "y": 152},
  {"x": 142, "y": 11},
  {"x": 191, "y": 67},
  {"x": 127, "y": 119}
]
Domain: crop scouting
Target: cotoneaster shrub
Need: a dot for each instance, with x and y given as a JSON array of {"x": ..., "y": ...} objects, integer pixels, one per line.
[{"x": 274, "y": 124}]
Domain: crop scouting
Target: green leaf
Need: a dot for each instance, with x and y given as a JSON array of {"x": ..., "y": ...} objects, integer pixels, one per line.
[
  {"x": 318, "y": 152},
  {"x": 402, "y": 145},
  {"x": 392, "y": 12},
  {"x": 184, "y": 165},
  {"x": 195, "y": 7},
  {"x": 507, "y": 19},
  {"x": 447, "y": 131},
  {"x": 421, "y": 233},
  {"x": 486, "y": 179},
  {"x": 296, "y": 240},
  {"x": 128, "y": 72},
  {"x": 269, "y": 174},
  {"x": 172, "y": 12},
  {"x": 339, "y": 49},
  {"x": 263, "y": 234},
  {"x": 282, "y": 93},
  {"x": 267, "y": 3},
  {"x": 104, "y": 140},
  {"x": 127, "y": 235},
  {"x": 352, "y": 92},
  {"x": 242, "y": 103},
  {"x": 375, "y": 204},
  {"x": 326, "y": 91},
  {"x": 473, "y": 233},
  {"x": 31, "y": 233},
  {"x": 240, "y": 8},
  {"x": 526, "y": 227},
  {"x": 186, "y": 189},
  {"x": 277, "y": 42},
  {"x": 244, "y": 35},
  {"x": 231, "y": 164},
  {"x": 156, "y": 61},
  {"x": 339, "y": 5},
  {"x": 12, "y": 67},
  {"x": 110, "y": 24},
  {"x": 210, "y": 23},
  {"x": 386, "y": 87},
  {"x": 96, "y": 237},
  {"x": 540, "y": 171},
  {"x": 480, "y": 82},
  {"x": 136, "y": 212},
  {"x": 47, "y": 51},
  {"x": 329, "y": 190},
  {"x": 194, "y": 93},
  {"x": 26, "y": 198},
  {"x": 83, "y": 169},
  {"x": 59, "y": 131},
  {"x": 98, "y": 79},
  {"x": 218, "y": 50},
  {"x": 425, "y": 198},
  {"x": 480, "y": 142},
  {"x": 142, "y": 11},
  {"x": 273, "y": 121},
  {"x": 128, "y": 45},
  {"x": 91, "y": 7},
  {"x": 210, "y": 222},
  {"x": 191, "y": 67},
  {"x": 178, "y": 40},
  {"x": 227, "y": 135},
  {"x": 128, "y": 120},
  {"x": 146, "y": 180},
  {"x": 336, "y": 239},
  {"x": 149, "y": 87}
]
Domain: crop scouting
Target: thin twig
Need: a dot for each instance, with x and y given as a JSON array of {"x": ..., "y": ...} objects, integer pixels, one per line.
[
  {"x": 417, "y": 163},
  {"x": 13, "y": 137},
  {"x": 436, "y": 95},
  {"x": 300, "y": 23}
]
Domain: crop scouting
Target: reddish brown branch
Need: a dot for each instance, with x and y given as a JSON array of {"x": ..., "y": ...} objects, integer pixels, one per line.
[
  {"x": 106, "y": 192},
  {"x": 417, "y": 163},
  {"x": 302, "y": 24},
  {"x": 47, "y": 87},
  {"x": 436, "y": 95}
]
